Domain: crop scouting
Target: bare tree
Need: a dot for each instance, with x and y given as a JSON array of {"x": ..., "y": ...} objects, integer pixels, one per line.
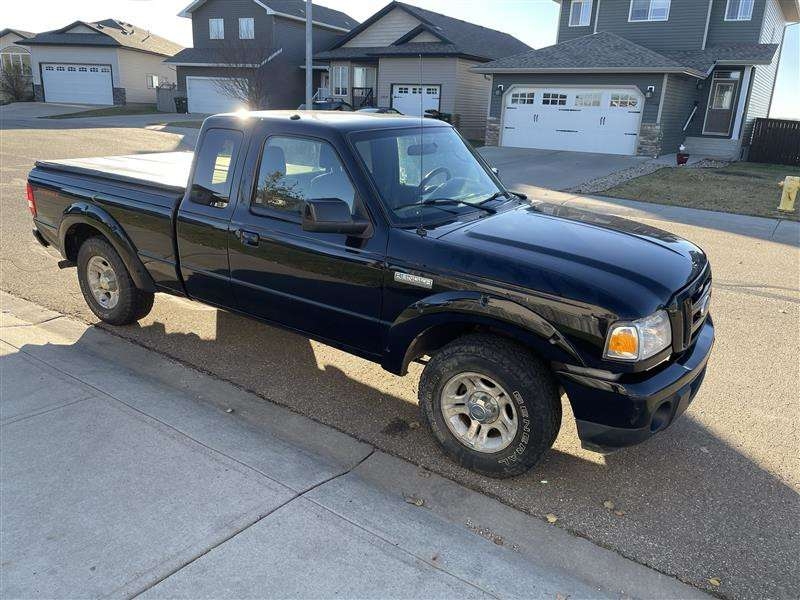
[
  {"x": 248, "y": 80},
  {"x": 15, "y": 85}
]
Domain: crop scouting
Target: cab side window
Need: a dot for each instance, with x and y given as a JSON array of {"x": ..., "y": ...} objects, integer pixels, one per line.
[
  {"x": 213, "y": 174},
  {"x": 294, "y": 170}
]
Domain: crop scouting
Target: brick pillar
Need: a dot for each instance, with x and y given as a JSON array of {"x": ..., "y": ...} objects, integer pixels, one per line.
[
  {"x": 119, "y": 96},
  {"x": 492, "y": 131},
  {"x": 650, "y": 137}
]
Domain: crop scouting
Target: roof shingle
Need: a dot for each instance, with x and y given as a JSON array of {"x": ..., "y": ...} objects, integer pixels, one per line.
[
  {"x": 607, "y": 52},
  {"x": 110, "y": 32},
  {"x": 460, "y": 38}
]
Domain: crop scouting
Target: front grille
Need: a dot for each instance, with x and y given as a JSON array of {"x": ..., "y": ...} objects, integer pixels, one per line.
[{"x": 694, "y": 309}]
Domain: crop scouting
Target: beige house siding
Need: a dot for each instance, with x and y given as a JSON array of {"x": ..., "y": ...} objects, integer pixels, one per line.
[
  {"x": 134, "y": 68},
  {"x": 385, "y": 30},
  {"x": 472, "y": 97},
  {"x": 74, "y": 54},
  {"x": 435, "y": 71},
  {"x": 425, "y": 36}
]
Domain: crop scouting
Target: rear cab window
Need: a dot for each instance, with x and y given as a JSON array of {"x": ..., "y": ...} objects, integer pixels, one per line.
[{"x": 213, "y": 175}]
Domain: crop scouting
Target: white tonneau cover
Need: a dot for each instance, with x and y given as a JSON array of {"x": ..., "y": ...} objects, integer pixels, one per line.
[{"x": 162, "y": 169}]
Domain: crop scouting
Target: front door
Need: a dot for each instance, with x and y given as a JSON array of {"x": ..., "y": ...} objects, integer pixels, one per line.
[
  {"x": 328, "y": 285},
  {"x": 721, "y": 103}
]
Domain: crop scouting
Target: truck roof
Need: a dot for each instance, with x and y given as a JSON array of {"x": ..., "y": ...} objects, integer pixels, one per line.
[{"x": 340, "y": 121}]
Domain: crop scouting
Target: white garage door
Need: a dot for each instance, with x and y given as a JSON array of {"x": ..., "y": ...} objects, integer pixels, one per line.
[
  {"x": 206, "y": 96},
  {"x": 415, "y": 99},
  {"x": 580, "y": 120},
  {"x": 77, "y": 83}
]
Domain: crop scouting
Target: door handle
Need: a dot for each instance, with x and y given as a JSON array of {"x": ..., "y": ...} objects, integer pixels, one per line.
[{"x": 248, "y": 238}]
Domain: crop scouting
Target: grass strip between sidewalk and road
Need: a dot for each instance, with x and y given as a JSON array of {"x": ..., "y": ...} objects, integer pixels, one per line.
[{"x": 741, "y": 187}]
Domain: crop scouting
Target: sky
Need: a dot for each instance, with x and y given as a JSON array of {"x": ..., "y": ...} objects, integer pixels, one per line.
[{"x": 532, "y": 21}]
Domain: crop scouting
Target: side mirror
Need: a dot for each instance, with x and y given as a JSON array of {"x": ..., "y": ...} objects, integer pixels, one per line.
[
  {"x": 496, "y": 171},
  {"x": 331, "y": 215}
]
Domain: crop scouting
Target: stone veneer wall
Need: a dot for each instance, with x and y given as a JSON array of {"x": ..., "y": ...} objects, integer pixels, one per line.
[
  {"x": 119, "y": 96},
  {"x": 650, "y": 137},
  {"x": 492, "y": 131}
]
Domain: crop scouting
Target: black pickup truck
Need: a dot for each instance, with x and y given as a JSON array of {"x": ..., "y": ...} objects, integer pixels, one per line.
[{"x": 390, "y": 238}]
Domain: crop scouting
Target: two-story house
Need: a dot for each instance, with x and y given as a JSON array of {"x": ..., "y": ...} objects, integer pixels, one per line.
[
  {"x": 232, "y": 36},
  {"x": 643, "y": 77},
  {"x": 416, "y": 60}
]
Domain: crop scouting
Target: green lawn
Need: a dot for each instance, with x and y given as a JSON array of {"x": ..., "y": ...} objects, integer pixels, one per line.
[
  {"x": 110, "y": 111},
  {"x": 741, "y": 187}
]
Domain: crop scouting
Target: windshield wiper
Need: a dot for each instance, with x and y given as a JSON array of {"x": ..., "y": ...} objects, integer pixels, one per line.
[
  {"x": 494, "y": 196},
  {"x": 439, "y": 202}
]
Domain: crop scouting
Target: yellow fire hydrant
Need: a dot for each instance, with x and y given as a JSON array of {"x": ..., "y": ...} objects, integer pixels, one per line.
[{"x": 790, "y": 186}]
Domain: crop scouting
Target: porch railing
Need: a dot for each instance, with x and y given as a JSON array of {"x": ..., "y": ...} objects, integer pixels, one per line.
[{"x": 363, "y": 97}]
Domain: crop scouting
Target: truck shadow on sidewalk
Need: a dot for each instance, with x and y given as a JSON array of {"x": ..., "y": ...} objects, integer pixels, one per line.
[{"x": 691, "y": 505}]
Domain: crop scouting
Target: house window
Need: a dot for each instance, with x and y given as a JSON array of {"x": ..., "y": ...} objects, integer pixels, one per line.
[
  {"x": 723, "y": 96},
  {"x": 340, "y": 77},
  {"x": 580, "y": 13},
  {"x": 739, "y": 10},
  {"x": 592, "y": 99},
  {"x": 522, "y": 97},
  {"x": 550, "y": 99},
  {"x": 247, "y": 29},
  {"x": 623, "y": 101},
  {"x": 216, "y": 29},
  {"x": 649, "y": 10},
  {"x": 10, "y": 58},
  {"x": 152, "y": 81}
]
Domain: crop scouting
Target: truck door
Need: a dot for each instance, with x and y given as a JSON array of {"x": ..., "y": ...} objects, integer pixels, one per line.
[
  {"x": 328, "y": 285},
  {"x": 204, "y": 216}
]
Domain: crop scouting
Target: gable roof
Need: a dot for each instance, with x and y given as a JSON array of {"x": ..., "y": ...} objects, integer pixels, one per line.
[
  {"x": 606, "y": 52},
  {"x": 19, "y": 32},
  {"x": 458, "y": 37},
  {"x": 109, "y": 32},
  {"x": 293, "y": 9}
]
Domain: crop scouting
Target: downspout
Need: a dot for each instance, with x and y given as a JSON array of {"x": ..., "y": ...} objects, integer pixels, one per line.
[
  {"x": 708, "y": 23},
  {"x": 596, "y": 16}
]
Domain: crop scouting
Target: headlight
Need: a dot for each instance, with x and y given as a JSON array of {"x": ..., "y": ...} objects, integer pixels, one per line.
[{"x": 639, "y": 340}]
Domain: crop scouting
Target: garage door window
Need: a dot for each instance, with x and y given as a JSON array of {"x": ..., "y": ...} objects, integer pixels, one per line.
[
  {"x": 583, "y": 100},
  {"x": 550, "y": 99},
  {"x": 214, "y": 172},
  {"x": 522, "y": 97},
  {"x": 624, "y": 101}
]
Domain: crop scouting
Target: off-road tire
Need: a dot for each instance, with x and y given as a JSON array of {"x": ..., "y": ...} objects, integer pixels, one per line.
[
  {"x": 133, "y": 304},
  {"x": 524, "y": 377}
]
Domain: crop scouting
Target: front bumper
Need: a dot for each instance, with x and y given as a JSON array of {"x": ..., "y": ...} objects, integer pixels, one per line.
[{"x": 614, "y": 413}]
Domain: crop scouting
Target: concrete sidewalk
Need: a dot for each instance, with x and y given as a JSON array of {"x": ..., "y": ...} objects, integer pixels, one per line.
[{"x": 124, "y": 473}]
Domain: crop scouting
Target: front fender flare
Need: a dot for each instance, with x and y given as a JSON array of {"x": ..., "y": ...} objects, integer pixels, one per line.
[
  {"x": 85, "y": 213},
  {"x": 474, "y": 308}
]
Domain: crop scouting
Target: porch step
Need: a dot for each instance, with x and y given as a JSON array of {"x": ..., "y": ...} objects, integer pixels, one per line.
[{"x": 724, "y": 148}]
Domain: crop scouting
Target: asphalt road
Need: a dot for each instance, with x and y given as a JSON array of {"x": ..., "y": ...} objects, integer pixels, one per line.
[{"x": 716, "y": 496}]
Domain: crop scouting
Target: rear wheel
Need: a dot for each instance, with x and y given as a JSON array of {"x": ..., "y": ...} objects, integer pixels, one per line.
[
  {"x": 492, "y": 405},
  {"x": 107, "y": 286}
]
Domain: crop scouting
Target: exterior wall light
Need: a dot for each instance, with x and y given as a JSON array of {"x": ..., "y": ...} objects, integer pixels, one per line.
[{"x": 499, "y": 89}]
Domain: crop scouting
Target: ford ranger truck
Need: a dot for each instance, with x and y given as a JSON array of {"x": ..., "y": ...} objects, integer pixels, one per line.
[{"x": 393, "y": 240}]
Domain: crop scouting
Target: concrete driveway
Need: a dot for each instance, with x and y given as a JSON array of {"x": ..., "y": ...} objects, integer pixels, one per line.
[
  {"x": 521, "y": 167},
  {"x": 35, "y": 110}
]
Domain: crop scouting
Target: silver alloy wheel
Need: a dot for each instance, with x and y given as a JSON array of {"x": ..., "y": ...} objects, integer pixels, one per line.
[
  {"x": 103, "y": 282},
  {"x": 479, "y": 412}
]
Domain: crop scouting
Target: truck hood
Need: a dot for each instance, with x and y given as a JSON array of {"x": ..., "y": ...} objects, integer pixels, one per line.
[{"x": 624, "y": 267}]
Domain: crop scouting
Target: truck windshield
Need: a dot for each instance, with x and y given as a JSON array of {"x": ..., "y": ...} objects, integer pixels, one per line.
[{"x": 425, "y": 176}]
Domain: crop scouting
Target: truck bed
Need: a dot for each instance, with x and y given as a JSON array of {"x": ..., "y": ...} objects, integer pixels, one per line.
[{"x": 168, "y": 170}]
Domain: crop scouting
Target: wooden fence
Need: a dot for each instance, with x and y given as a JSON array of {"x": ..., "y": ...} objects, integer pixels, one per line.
[{"x": 776, "y": 141}]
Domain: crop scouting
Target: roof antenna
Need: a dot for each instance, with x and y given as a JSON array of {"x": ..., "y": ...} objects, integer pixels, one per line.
[{"x": 421, "y": 231}]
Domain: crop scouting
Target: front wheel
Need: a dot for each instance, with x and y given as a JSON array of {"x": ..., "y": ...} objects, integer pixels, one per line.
[
  {"x": 107, "y": 286},
  {"x": 492, "y": 405}
]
